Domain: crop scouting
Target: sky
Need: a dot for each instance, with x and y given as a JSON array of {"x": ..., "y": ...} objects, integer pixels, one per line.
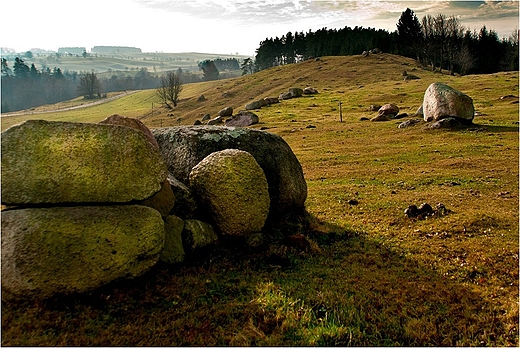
[{"x": 218, "y": 26}]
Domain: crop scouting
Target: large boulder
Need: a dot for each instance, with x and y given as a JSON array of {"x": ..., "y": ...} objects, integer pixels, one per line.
[
  {"x": 441, "y": 101},
  {"x": 65, "y": 162},
  {"x": 64, "y": 250},
  {"x": 231, "y": 187},
  {"x": 184, "y": 147},
  {"x": 243, "y": 119},
  {"x": 293, "y": 92},
  {"x": 134, "y": 123}
]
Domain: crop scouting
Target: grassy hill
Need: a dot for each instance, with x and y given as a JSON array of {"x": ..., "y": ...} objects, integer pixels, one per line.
[{"x": 379, "y": 278}]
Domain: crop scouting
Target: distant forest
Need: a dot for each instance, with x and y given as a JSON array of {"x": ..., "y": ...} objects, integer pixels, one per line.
[
  {"x": 25, "y": 86},
  {"x": 440, "y": 42}
]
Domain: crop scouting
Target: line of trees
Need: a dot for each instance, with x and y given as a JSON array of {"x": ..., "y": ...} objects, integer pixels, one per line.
[{"x": 438, "y": 41}]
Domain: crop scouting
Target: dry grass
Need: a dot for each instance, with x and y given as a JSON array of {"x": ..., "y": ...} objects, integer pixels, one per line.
[{"x": 378, "y": 277}]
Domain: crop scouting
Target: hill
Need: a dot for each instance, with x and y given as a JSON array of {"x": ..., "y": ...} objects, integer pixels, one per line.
[{"x": 380, "y": 278}]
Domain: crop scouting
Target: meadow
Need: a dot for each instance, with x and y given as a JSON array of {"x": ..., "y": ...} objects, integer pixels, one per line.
[{"x": 375, "y": 277}]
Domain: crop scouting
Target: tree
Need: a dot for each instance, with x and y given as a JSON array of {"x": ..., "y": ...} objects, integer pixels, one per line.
[
  {"x": 89, "y": 85},
  {"x": 209, "y": 70},
  {"x": 20, "y": 68},
  {"x": 409, "y": 34},
  {"x": 170, "y": 88},
  {"x": 247, "y": 66},
  {"x": 6, "y": 71}
]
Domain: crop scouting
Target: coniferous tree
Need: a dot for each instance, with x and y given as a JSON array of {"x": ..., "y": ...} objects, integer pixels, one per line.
[{"x": 409, "y": 34}]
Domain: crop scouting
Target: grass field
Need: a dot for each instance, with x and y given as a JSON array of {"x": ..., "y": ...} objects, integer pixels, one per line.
[{"x": 375, "y": 277}]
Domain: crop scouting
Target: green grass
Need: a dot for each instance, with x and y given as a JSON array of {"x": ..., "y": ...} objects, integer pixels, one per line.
[{"x": 374, "y": 277}]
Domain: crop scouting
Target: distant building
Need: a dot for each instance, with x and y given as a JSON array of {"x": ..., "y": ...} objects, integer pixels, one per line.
[
  {"x": 115, "y": 50},
  {"x": 71, "y": 50}
]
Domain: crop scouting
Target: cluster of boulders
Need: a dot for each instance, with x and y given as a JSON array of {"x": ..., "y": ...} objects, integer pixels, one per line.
[
  {"x": 245, "y": 118},
  {"x": 442, "y": 107},
  {"x": 372, "y": 51},
  {"x": 86, "y": 204}
]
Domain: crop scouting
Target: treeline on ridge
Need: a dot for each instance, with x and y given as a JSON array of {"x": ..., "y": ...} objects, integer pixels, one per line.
[
  {"x": 440, "y": 42},
  {"x": 25, "y": 86}
]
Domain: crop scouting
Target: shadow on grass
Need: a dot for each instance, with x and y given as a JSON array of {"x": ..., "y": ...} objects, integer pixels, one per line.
[{"x": 340, "y": 288}]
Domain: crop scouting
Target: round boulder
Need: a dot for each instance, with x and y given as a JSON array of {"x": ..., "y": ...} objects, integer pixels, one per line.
[
  {"x": 441, "y": 101},
  {"x": 184, "y": 147},
  {"x": 46, "y": 251},
  {"x": 231, "y": 186},
  {"x": 388, "y": 109}
]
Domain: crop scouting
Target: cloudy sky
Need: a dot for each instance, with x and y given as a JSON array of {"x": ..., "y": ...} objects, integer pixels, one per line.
[{"x": 218, "y": 26}]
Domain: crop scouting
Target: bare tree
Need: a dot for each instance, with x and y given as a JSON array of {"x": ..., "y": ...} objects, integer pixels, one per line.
[
  {"x": 89, "y": 85},
  {"x": 454, "y": 34},
  {"x": 171, "y": 87},
  {"x": 465, "y": 59}
]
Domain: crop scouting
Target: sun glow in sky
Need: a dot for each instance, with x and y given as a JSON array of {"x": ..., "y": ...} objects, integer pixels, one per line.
[{"x": 218, "y": 26}]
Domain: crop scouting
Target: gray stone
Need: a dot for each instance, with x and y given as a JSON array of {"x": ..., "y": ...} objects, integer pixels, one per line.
[
  {"x": 228, "y": 111},
  {"x": 46, "y": 251},
  {"x": 173, "y": 251},
  {"x": 388, "y": 109},
  {"x": 185, "y": 205},
  {"x": 198, "y": 235},
  {"x": 63, "y": 162},
  {"x": 185, "y": 146},
  {"x": 257, "y": 104},
  {"x": 243, "y": 119},
  {"x": 216, "y": 120},
  {"x": 446, "y": 123},
  {"x": 310, "y": 90},
  {"x": 441, "y": 101},
  {"x": 271, "y": 100},
  {"x": 232, "y": 188}
]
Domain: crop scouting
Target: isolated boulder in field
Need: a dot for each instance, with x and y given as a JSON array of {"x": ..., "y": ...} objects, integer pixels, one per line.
[
  {"x": 257, "y": 104},
  {"x": 185, "y": 204},
  {"x": 228, "y": 111},
  {"x": 206, "y": 117},
  {"x": 173, "y": 251},
  {"x": 64, "y": 162},
  {"x": 197, "y": 236},
  {"x": 389, "y": 110},
  {"x": 243, "y": 119},
  {"x": 184, "y": 147},
  {"x": 64, "y": 250},
  {"x": 232, "y": 189},
  {"x": 119, "y": 120},
  {"x": 441, "y": 101},
  {"x": 163, "y": 201}
]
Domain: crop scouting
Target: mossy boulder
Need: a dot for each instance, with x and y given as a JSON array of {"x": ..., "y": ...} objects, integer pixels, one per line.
[
  {"x": 173, "y": 251},
  {"x": 46, "y": 251},
  {"x": 118, "y": 120},
  {"x": 198, "y": 236},
  {"x": 184, "y": 147},
  {"x": 65, "y": 162},
  {"x": 232, "y": 189}
]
